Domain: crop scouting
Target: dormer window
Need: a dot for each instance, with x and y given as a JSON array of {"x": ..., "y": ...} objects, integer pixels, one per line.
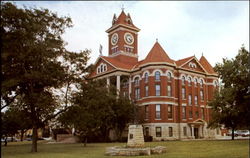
[
  {"x": 101, "y": 68},
  {"x": 192, "y": 65}
]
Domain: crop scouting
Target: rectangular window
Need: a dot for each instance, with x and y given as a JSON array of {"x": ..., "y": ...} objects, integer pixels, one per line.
[
  {"x": 157, "y": 90},
  {"x": 203, "y": 113},
  {"x": 158, "y": 111},
  {"x": 170, "y": 111},
  {"x": 196, "y": 100},
  {"x": 183, "y": 91},
  {"x": 137, "y": 93},
  {"x": 189, "y": 99},
  {"x": 190, "y": 114},
  {"x": 146, "y": 91},
  {"x": 184, "y": 112},
  {"x": 146, "y": 112},
  {"x": 197, "y": 114},
  {"x": 185, "y": 131},
  {"x": 169, "y": 91},
  {"x": 170, "y": 130},
  {"x": 202, "y": 95},
  {"x": 158, "y": 131}
]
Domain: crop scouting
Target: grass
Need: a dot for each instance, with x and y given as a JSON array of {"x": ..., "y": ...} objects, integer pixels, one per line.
[{"x": 175, "y": 149}]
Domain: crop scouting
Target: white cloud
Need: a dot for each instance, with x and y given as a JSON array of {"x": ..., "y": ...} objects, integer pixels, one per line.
[{"x": 183, "y": 28}]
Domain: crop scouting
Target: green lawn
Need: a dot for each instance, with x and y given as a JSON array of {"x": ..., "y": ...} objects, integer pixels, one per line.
[{"x": 175, "y": 149}]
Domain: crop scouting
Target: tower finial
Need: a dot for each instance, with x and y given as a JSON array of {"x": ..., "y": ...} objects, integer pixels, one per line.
[
  {"x": 202, "y": 54},
  {"x": 156, "y": 39},
  {"x": 122, "y": 7}
]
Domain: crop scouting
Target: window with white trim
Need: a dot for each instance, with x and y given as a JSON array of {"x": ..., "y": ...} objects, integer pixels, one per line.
[
  {"x": 157, "y": 90},
  {"x": 189, "y": 81},
  {"x": 201, "y": 94},
  {"x": 137, "y": 93},
  {"x": 170, "y": 111},
  {"x": 146, "y": 91},
  {"x": 157, "y": 111},
  {"x": 183, "y": 92},
  {"x": 169, "y": 76},
  {"x": 146, "y": 77},
  {"x": 169, "y": 90},
  {"x": 190, "y": 99},
  {"x": 137, "y": 81},
  {"x": 157, "y": 76},
  {"x": 183, "y": 80},
  {"x": 158, "y": 131}
]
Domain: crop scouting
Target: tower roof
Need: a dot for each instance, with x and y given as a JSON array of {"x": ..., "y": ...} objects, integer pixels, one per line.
[
  {"x": 157, "y": 54},
  {"x": 206, "y": 65},
  {"x": 123, "y": 20}
]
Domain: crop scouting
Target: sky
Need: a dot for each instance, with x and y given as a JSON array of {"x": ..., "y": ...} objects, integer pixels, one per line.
[{"x": 216, "y": 29}]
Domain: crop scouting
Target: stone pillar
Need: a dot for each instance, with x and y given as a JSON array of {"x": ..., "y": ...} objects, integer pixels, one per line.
[
  {"x": 135, "y": 136},
  {"x": 108, "y": 81},
  {"x": 192, "y": 134},
  {"x": 118, "y": 84},
  {"x": 129, "y": 87}
]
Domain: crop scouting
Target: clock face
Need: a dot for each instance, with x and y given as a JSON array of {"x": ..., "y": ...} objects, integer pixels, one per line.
[
  {"x": 129, "y": 39},
  {"x": 114, "y": 39}
]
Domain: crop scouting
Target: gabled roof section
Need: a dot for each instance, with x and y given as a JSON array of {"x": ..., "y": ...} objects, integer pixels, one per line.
[
  {"x": 157, "y": 54},
  {"x": 207, "y": 65},
  {"x": 124, "y": 20},
  {"x": 183, "y": 61},
  {"x": 117, "y": 64}
]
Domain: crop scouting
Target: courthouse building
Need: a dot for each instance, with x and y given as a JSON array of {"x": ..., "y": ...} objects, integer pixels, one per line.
[{"x": 173, "y": 95}]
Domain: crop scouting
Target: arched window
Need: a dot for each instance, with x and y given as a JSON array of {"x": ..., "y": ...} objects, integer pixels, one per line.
[
  {"x": 137, "y": 81},
  {"x": 157, "y": 76},
  {"x": 98, "y": 70},
  {"x": 146, "y": 77},
  {"x": 169, "y": 76},
  {"x": 101, "y": 68},
  {"x": 189, "y": 81},
  {"x": 201, "y": 82},
  {"x": 183, "y": 80},
  {"x": 195, "y": 82},
  {"x": 105, "y": 68}
]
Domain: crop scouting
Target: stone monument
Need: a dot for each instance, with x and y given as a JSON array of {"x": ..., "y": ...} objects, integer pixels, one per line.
[
  {"x": 135, "y": 136},
  {"x": 135, "y": 144}
]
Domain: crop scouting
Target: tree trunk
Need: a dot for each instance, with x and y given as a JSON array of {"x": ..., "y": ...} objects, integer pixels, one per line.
[
  {"x": 5, "y": 141},
  {"x": 22, "y": 133},
  {"x": 34, "y": 139},
  {"x": 232, "y": 133},
  {"x": 85, "y": 141}
]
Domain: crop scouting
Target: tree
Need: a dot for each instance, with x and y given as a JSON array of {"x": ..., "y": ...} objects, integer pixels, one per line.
[
  {"x": 97, "y": 109},
  {"x": 32, "y": 58},
  {"x": 231, "y": 105},
  {"x": 14, "y": 120}
]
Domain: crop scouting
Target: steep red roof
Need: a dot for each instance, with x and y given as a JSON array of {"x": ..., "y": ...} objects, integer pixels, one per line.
[
  {"x": 123, "y": 19},
  {"x": 157, "y": 54},
  {"x": 182, "y": 61},
  {"x": 117, "y": 63},
  {"x": 206, "y": 65}
]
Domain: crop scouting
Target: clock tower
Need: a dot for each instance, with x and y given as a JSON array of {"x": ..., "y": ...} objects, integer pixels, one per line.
[{"x": 122, "y": 37}]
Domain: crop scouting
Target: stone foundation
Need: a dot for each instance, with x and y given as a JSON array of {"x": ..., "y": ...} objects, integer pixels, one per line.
[{"x": 123, "y": 151}]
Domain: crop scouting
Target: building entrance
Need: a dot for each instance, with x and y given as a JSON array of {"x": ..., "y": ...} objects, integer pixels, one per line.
[{"x": 196, "y": 133}]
